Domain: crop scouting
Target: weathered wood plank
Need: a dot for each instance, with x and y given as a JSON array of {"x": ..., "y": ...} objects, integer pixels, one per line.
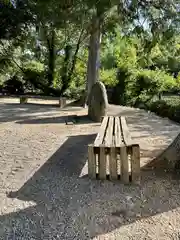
[
  {"x": 108, "y": 139},
  {"x": 99, "y": 139},
  {"x": 135, "y": 164},
  {"x": 125, "y": 132},
  {"x": 113, "y": 164},
  {"x": 124, "y": 165},
  {"x": 91, "y": 162},
  {"x": 117, "y": 133},
  {"x": 102, "y": 163}
]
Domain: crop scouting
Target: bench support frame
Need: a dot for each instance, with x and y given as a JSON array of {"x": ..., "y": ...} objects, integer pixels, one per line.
[{"x": 114, "y": 155}]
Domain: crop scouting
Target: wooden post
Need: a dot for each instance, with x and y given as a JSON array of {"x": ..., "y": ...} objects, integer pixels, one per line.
[
  {"x": 62, "y": 102},
  {"x": 102, "y": 164},
  {"x": 113, "y": 164},
  {"x": 91, "y": 162},
  {"x": 124, "y": 165},
  {"x": 135, "y": 164},
  {"x": 23, "y": 99}
]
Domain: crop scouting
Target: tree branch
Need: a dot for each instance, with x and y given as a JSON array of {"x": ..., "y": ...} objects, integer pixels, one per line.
[
  {"x": 75, "y": 54},
  {"x": 1, "y": 42}
]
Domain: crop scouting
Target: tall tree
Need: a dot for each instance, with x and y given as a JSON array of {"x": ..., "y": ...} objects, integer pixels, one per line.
[
  {"x": 137, "y": 16},
  {"x": 14, "y": 18}
]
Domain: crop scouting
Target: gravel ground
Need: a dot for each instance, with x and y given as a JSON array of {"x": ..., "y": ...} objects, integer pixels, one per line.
[{"x": 44, "y": 189}]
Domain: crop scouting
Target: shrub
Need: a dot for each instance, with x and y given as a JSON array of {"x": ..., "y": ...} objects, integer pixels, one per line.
[
  {"x": 34, "y": 76},
  {"x": 166, "y": 108},
  {"x": 77, "y": 82},
  {"x": 108, "y": 77},
  {"x": 120, "y": 91},
  {"x": 13, "y": 86},
  {"x": 34, "y": 80},
  {"x": 145, "y": 84},
  {"x": 74, "y": 93},
  {"x": 141, "y": 85}
]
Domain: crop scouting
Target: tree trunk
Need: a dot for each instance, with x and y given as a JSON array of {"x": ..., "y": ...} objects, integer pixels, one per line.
[
  {"x": 51, "y": 57},
  {"x": 93, "y": 57},
  {"x": 160, "y": 96}
]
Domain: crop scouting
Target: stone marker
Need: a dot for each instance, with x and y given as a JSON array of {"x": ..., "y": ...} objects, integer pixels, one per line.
[{"x": 97, "y": 102}]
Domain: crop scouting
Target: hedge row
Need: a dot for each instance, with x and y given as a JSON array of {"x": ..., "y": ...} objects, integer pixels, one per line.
[{"x": 169, "y": 108}]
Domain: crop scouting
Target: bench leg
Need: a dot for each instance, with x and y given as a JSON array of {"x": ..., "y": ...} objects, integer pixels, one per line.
[
  {"x": 135, "y": 164},
  {"x": 124, "y": 165},
  {"x": 91, "y": 162},
  {"x": 113, "y": 164},
  {"x": 102, "y": 164},
  {"x": 62, "y": 102},
  {"x": 23, "y": 100}
]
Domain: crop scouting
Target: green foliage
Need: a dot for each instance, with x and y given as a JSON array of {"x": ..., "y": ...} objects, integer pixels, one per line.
[
  {"x": 77, "y": 85},
  {"x": 79, "y": 75},
  {"x": 126, "y": 56},
  {"x": 33, "y": 75},
  {"x": 13, "y": 85},
  {"x": 169, "y": 108},
  {"x": 141, "y": 85},
  {"x": 121, "y": 90},
  {"x": 132, "y": 44},
  {"x": 136, "y": 82},
  {"x": 14, "y": 20},
  {"x": 144, "y": 84},
  {"x": 108, "y": 77},
  {"x": 34, "y": 66}
]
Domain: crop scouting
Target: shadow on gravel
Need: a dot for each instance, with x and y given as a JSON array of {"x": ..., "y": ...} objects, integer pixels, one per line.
[
  {"x": 42, "y": 104},
  {"x": 49, "y": 120},
  {"x": 143, "y": 124},
  {"x": 70, "y": 119},
  {"x": 15, "y": 112},
  {"x": 69, "y": 206}
]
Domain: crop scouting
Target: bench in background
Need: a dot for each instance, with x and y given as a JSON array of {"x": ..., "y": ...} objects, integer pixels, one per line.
[{"x": 24, "y": 99}]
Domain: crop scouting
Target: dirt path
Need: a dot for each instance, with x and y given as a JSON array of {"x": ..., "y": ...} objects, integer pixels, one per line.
[{"x": 44, "y": 190}]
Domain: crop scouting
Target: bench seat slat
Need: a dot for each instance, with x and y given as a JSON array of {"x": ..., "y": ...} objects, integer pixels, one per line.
[
  {"x": 108, "y": 139},
  {"x": 99, "y": 139},
  {"x": 125, "y": 132},
  {"x": 117, "y": 134}
]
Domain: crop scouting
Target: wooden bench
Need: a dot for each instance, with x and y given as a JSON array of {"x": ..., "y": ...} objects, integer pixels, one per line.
[
  {"x": 24, "y": 99},
  {"x": 114, "y": 155}
]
